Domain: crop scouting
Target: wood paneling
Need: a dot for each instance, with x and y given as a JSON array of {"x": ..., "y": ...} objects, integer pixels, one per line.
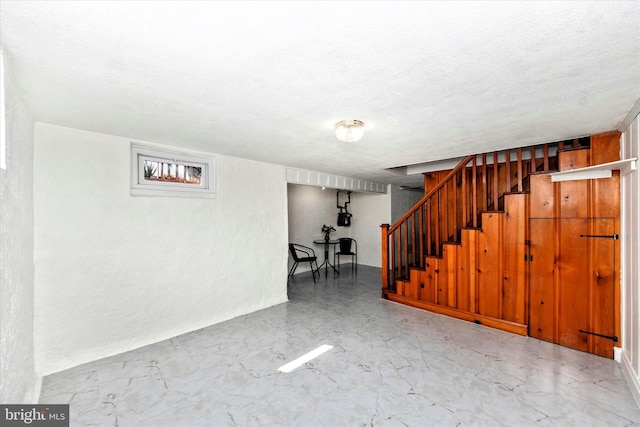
[
  {"x": 432, "y": 179},
  {"x": 410, "y": 288},
  {"x": 572, "y": 282},
  {"x": 442, "y": 288},
  {"x": 400, "y": 285},
  {"x": 466, "y": 269},
  {"x": 605, "y": 202},
  {"x": 429, "y": 281},
  {"x": 583, "y": 285},
  {"x": 514, "y": 253},
  {"x": 605, "y": 148},
  {"x": 489, "y": 265},
  {"x": 542, "y": 279},
  {"x": 602, "y": 276},
  {"x": 473, "y": 270},
  {"x": 573, "y": 197},
  {"x": 542, "y": 198},
  {"x": 449, "y": 275},
  {"x": 475, "y": 276}
]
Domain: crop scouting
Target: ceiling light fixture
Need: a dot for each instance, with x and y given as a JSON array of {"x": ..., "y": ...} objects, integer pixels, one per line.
[{"x": 349, "y": 130}]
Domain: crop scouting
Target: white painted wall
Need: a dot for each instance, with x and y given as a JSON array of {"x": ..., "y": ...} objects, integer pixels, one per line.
[
  {"x": 115, "y": 272},
  {"x": 369, "y": 211},
  {"x": 310, "y": 207},
  {"x": 19, "y": 381},
  {"x": 630, "y": 248}
]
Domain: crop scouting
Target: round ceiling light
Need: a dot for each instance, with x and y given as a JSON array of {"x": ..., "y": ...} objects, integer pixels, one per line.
[{"x": 349, "y": 130}]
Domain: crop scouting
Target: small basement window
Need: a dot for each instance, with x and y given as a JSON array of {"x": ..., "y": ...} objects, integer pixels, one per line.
[{"x": 157, "y": 172}]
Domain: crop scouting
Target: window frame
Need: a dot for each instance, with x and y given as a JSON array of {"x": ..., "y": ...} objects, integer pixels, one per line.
[{"x": 142, "y": 187}]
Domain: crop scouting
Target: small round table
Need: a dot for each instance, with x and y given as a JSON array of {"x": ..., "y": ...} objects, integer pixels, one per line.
[{"x": 326, "y": 262}]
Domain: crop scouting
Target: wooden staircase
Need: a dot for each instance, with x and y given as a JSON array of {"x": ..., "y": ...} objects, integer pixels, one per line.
[{"x": 462, "y": 250}]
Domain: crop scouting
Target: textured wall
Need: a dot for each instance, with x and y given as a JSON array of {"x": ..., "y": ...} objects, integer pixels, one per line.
[
  {"x": 630, "y": 242},
  {"x": 115, "y": 272},
  {"x": 19, "y": 382}
]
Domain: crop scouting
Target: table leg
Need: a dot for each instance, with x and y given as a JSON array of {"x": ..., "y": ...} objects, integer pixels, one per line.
[{"x": 326, "y": 264}]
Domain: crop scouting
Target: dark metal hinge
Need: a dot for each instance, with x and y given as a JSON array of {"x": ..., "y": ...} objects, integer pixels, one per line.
[
  {"x": 613, "y": 338},
  {"x": 609, "y": 236}
]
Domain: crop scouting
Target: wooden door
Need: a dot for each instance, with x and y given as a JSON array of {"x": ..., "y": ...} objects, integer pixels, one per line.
[
  {"x": 572, "y": 283},
  {"x": 542, "y": 272},
  {"x": 603, "y": 281}
]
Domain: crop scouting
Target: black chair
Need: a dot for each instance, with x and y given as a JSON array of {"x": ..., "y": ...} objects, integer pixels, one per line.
[
  {"x": 348, "y": 247},
  {"x": 301, "y": 253}
]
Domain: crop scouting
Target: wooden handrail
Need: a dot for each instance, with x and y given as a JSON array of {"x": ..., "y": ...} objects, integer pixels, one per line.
[{"x": 433, "y": 191}]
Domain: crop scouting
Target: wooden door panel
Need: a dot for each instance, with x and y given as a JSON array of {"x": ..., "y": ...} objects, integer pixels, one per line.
[
  {"x": 541, "y": 282},
  {"x": 410, "y": 288},
  {"x": 573, "y": 200},
  {"x": 602, "y": 286},
  {"x": 605, "y": 199},
  {"x": 573, "y": 283},
  {"x": 490, "y": 265},
  {"x": 605, "y": 147},
  {"x": 429, "y": 282},
  {"x": 468, "y": 267},
  {"x": 513, "y": 285},
  {"x": 431, "y": 179},
  {"x": 442, "y": 288},
  {"x": 463, "y": 257},
  {"x": 542, "y": 200},
  {"x": 449, "y": 273}
]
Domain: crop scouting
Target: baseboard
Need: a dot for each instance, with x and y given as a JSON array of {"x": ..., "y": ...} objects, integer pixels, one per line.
[
  {"x": 632, "y": 378},
  {"x": 503, "y": 325}
]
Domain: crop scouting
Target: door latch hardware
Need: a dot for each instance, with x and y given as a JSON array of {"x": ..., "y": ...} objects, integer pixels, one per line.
[
  {"x": 613, "y": 338},
  {"x": 612, "y": 236}
]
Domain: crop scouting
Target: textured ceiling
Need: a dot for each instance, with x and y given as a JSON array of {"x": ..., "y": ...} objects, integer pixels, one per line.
[{"x": 268, "y": 80}]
